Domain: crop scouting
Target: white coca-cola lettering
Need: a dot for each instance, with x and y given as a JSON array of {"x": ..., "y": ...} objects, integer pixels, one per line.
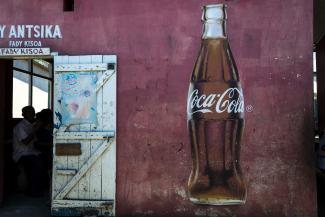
[{"x": 231, "y": 101}]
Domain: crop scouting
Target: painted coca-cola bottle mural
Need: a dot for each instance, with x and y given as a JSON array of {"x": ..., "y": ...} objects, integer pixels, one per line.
[{"x": 215, "y": 114}]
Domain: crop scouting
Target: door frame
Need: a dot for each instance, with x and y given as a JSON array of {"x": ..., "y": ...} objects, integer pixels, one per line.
[{"x": 6, "y": 108}]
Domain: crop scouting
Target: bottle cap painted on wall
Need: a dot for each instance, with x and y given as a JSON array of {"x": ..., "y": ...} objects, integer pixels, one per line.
[{"x": 214, "y": 12}]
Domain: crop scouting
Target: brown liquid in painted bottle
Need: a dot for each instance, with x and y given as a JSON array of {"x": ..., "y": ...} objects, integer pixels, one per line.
[{"x": 215, "y": 118}]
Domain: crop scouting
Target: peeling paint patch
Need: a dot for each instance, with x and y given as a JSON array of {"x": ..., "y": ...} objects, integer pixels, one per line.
[
  {"x": 218, "y": 213},
  {"x": 59, "y": 120},
  {"x": 149, "y": 212},
  {"x": 181, "y": 209},
  {"x": 212, "y": 212},
  {"x": 144, "y": 213},
  {"x": 181, "y": 192},
  {"x": 200, "y": 212}
]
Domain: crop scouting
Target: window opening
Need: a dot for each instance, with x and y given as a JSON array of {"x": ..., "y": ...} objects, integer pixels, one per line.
[
  {"x": 315, "y": 92},
  {"x": 68, "y": 5},
  {"x": 32, "y": 85}
]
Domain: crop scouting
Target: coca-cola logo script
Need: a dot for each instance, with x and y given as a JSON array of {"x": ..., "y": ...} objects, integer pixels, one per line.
[{"x": 230, "y": 101}]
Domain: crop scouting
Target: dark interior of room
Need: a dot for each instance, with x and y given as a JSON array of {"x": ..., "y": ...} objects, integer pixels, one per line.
[{"x": 319, "y": 106}]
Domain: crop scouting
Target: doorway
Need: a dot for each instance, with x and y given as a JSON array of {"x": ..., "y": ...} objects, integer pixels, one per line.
[
  {"x": 84, "y": 126},
  {"x": 23, "y": 82}
]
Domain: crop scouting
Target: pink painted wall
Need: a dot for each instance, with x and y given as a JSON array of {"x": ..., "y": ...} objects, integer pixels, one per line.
[{"x": 157, "y": 43}]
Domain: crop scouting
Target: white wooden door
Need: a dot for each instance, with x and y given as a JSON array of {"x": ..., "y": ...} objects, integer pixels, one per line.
[{"x": 84, "y": 162}]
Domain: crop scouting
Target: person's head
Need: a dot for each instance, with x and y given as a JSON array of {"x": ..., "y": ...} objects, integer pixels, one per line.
[
  {"x": 45, "y": 116},
  {"x": 28, "y": 113}
]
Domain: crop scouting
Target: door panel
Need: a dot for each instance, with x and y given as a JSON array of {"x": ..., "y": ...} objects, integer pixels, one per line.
[{"x": 86, "y": 181}]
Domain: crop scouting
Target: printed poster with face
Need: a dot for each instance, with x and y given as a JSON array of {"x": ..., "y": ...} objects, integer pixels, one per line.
[{"x": 79, "y": 100}]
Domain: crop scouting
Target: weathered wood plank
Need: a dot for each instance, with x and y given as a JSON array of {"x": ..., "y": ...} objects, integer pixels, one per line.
[
  {"x": 83, "y": 203},
  {"x": 109, "y": 123},
  {"x": 85, "y": 59},
  {"x": 109, "y": 172},
  {"x": 93, "y": 145},
  {"x": 104, "y": 78},
  {"x": 110, "y": 59},
  {"x": 66, "y": 172},
  {"x": 80, "y": 67},
  {"x": 97, "y": 59},
  {"x": 95, "y": 176},
  {"x": 73, "y": 59},
  {"x": 73, "y": 161},
  {"x": 95, "y": 173},
  {"x": 85, "y": 135},
  {"x": 83, "y": 183},
  {"x": 84, "y": 169},
  {"x": 58, "y": 181}
]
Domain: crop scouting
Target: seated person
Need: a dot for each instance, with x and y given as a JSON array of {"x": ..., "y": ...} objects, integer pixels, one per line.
[
  {"x": 25, "y": 153},
  {"x": 44, "y": 142}
]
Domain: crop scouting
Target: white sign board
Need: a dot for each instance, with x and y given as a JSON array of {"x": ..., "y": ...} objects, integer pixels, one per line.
[{"x": 33, "y": 51}]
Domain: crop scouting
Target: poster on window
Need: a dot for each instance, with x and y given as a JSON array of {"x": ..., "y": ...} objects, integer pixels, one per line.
[{"x": 79, "y": 98}]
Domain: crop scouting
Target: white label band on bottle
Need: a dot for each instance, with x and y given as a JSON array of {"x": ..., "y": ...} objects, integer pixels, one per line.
[{"x": 215, "y": 100}]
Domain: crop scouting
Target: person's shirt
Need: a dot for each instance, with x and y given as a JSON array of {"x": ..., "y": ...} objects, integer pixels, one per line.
[
  {"x": 44, "y": 136},
  {"x": 21, "y": 132}
]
